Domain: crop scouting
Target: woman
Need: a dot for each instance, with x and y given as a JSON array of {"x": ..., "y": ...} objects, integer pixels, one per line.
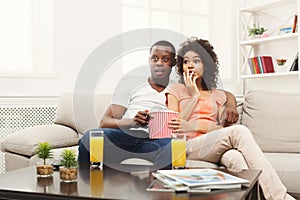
[{"x": 201, "y": 108}]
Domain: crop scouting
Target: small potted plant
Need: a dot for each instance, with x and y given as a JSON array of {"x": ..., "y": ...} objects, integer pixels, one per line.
[
  {"x": 44, "y": 167},
  {"x": 257, "y": 31},
  {"x": 68, "y": 166}
]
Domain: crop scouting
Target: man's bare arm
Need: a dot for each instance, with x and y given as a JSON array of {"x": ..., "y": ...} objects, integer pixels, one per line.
[
  {"x": 231, "y": 113},
  {"x": 112, "y": 118}
]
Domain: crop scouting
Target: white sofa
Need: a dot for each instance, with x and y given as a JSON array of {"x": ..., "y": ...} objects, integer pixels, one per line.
[
  {"x": 273, "y": 117},
  {"x": 73, "y": 118},
  {"x": 19, "y": 147}
]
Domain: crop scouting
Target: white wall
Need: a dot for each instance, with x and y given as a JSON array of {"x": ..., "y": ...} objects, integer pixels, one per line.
[
  {"x": 223, "y": 32},
  {"x": 82, "y": 25},
  {"x": 79, "y": 27}
]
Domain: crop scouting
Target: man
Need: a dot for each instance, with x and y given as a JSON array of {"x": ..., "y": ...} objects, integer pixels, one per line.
[{"x": 125, "y": 121}]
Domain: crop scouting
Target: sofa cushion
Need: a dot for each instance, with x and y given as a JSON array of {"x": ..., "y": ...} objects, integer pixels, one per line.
[
  {"x": 74, "y": 111},
  {"x": 239, "y": 107},
  {"x": 25, "y": 142},
  {"x": 273, "y": 118},
  {"x": 64, "y": 114},
  {"x": 15, "y": 161},
  {"x": 287, "y": 168}
]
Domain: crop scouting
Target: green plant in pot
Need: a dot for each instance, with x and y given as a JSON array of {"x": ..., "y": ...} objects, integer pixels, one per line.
[
  {"x": 44, "y": 167},
  {"x": 256, "y": 31},
  {"x": 68, "y": 166}
]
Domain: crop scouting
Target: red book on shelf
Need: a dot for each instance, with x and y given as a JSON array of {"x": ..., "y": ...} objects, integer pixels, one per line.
[
  {"x": 253, "y": 65},
  {"x": 267, "y": 64},
  {"x": 260, "y": 65},
  {"x": 256, "y": 65}
]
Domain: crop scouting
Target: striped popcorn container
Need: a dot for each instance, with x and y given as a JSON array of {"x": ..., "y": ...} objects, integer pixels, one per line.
[{"x": 158, "y": 124}]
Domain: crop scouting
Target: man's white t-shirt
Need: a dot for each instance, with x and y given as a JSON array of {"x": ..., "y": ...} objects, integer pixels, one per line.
[{"x": 136, "y": 94}]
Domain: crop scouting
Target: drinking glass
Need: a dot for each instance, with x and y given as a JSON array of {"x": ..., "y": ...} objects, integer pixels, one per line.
[
  {"x": 178, "y": 150},
  {"x": 96, "y": 149}
]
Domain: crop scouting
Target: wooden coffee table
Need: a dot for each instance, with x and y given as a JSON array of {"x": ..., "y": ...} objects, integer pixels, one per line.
[{"x": 108, "y": 184}]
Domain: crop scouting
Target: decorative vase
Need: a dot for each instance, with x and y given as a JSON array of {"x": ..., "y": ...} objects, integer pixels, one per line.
[
  {"x": 281, "y": 62},
  {"x": 44, "y": 170},
  {"x": 255, "y": 36},
  {"x": 68, "y": 174}
]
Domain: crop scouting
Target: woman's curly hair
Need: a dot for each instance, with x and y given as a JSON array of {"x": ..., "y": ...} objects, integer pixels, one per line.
[{"x": 208, "y": 57}]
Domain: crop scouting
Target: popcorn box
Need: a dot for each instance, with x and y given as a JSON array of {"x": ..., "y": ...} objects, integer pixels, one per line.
[{"x": 158, "y": 124}]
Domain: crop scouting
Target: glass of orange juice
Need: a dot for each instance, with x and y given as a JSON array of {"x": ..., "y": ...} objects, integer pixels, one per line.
[
  {"x": 96, "y": 148},
  {"x": 178, "y": 150}
]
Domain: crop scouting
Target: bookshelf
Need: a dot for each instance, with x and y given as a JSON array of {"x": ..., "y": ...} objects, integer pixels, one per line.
[
  {"x": 278, "y": 74},
  {"x": 288, "y": 36},
  {"x": 268, "y": 5},
  {"x": 271, "y": 15}
]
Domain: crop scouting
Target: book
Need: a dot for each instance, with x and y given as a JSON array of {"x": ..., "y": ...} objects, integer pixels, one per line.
[
  {"x": 295, "y": 24},
  {"x": 203, "y": 177},
  {"x": 253, "y": 65},
  {"x": 260, "y": 64},
  {"x": 256, "y": 65},
  {"x": 159, "y": 186},
  {"x": 267, "y": 63},
  {"x": 250, "y": 65},
  {"x": 294, "y": 66}
]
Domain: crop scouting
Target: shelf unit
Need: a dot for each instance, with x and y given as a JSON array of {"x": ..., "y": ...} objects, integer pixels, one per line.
[
  {"x": 253, "y": 47},
  {"x": 267, "y": 5},
  {"x": 278, "y": 74},
  {"x": 270, "y": 39}
]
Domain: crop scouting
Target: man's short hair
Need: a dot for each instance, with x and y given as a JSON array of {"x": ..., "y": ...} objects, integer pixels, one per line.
[{"x": 164, "y": 43}]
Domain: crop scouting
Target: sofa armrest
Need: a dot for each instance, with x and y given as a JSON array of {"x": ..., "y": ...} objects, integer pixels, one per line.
[
  {"x": 25, "y": 142},
  {"x": 239, "y": 107}
]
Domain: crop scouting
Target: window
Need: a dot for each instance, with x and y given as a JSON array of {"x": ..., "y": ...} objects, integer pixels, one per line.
[
  {"x": 188, "y": 17},
  {"x": 26, "y": 37}
]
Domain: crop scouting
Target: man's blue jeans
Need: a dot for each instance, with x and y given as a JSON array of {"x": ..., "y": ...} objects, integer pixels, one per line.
[{"x": 122, "y": 144}]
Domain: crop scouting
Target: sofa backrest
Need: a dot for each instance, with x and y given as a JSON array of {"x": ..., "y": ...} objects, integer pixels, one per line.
[
  {"x": 273, "y": 118},
  {"x": 75, "y": 111}
]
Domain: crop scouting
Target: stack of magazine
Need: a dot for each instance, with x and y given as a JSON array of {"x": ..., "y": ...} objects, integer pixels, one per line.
[{"x": 194, "y": 180}]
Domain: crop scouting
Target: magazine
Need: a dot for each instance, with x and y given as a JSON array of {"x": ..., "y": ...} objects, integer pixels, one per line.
[
  {"x": 163, "y": 183},
  {"x": 204, "y": 177},
  {"x": 170, "y": 181},
  {"x": 158, "y": 186}
]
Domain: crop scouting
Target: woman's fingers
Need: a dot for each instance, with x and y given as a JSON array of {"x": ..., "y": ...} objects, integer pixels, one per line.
[
  {"x": 175, "y": 124},
  {"x": 177, "y": 131},
  {"x": 194, "y": 79},
  {"x": 175, "y": 120},
  {"x": 188, "y": 75}
]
